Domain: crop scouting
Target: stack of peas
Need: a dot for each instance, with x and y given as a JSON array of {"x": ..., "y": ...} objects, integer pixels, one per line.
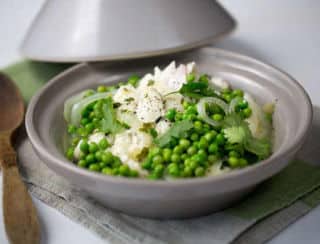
[
  {"x": 194, "y": 154},
  {"x": 94, "y": 156},
  {"x": 189, "y": 156}
]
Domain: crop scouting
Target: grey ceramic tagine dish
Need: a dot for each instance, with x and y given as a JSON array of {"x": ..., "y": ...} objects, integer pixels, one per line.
[{"x": 180, "y": 198}]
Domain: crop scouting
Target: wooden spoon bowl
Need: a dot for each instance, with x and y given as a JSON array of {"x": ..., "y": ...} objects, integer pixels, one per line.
[{"x": 21, "y": 222}]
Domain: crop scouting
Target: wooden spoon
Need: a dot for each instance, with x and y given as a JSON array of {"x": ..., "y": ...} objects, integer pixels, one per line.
[{"x": 20, "y": 218}]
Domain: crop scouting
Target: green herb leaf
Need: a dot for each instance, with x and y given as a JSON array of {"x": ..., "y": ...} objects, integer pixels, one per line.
[
  {"x": 237, "y": 132},
  {"x": 109, "y": 123},
  {"x": 177, "y": 130},
  {"x": 260, "y": 147},
  {"x": 153, "y": 132},
  {"x": 194, "y": 89}
]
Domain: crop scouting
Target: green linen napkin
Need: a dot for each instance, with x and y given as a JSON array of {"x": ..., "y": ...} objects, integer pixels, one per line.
[{"x": 274, "y": 205}]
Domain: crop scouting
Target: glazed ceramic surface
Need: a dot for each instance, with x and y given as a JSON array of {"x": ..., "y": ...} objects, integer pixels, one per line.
[
  {"x": 82, "y": 30},
  {"x": 176, "y": 198}
]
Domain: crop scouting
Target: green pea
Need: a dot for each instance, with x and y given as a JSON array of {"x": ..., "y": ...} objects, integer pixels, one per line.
[
  {"x": 166, "y": 153},
  {"x": 184, "y": 143},
  {"x": 194, "y": 137},
  {"x": 200, "y": 158},
  {"x": 205, "y": 130},
  {"x": 193, "y": 164},
  {"x": 187, "y": 172},
  {"x": 227, "y": 97},
  {"x": 90, "y": 158},
  {"x": 116, "y": 161},
  {"x": 243, "y": 104},
  {"x": 72, "y": 129},
  {"x": 204, "y": 78},
  {"x": 237, "y": 93},
  {"x": 210, "y": 135},
  {"x": 212, "y": 158},
  {"x": 98, "y": 155},
  {"x": 226, "y": 90},
  {"x": 88, "y": 93},
  {"x": 82, "y": 155},
  {"x": 175, "y": 158},
  {"x": 147, "y": 163},
  {"x": 75, "y": 141},
  {"x": 155, "y": 151},
  {"x": 202, "y": 152},
  {"x": 84, "y": 146},
  {"x": 152, "y": 176},
  {"x": 192, "y": 150},
  {"x": 185, "y": 116},
  {"x": 197, "y": 158},
  {"x": 82, "y": 132},
  {"x": 198, "y": 126},
  {"x": 191, "y": 110},
  {"x": 85, "y": 113},
  {"x": 124, "y": 170},
  {"x": 187, "y": 161},
  {"x": 233, "y": 162},
  {"x": 191, "y": 117},
  {"x": 217, "y": 117},
  {"x": 243, "y": 162},
  {"x": 158, "y": 159},
  {"x": 94, "y": 167},
  {"x": 172, "y": 165},
  {"x": 185, "y": 104},
  {"x": 103, "y": 143},
  {"x": 247, "y": 112},
  {"x": 101, "y": 88},
  {"x": 206, "y": 126},
  {"x": 234, "y": 154},
  {"x": 220, "y": 139},
  {"x": 95, "y": 121},
  {"x": 98, "y": 105},
  {"x": 196, "y": 144},
  {"x": 82, "y": 163},
  {"x": 171, "y": 113},
  {"x": 92, "y": 116},
  {"x": 159, "y": 169},
  {"x": 102, "y": 165},
  {"x": 89, "y": 127},
  {"x": 191, "y": 77},
  {"x": 203, "y": 143},
  {"x": 107, "y": 171},
  {"x": 184, "y": 156},
  {"x": 107, "y": 158},
  {"x": 178, "y": 149},
  {"x": 84, "y": 121},
  {"x": 133, "y": 80},
  {"x": 93, "y": 147},
  {"x": 213, "y": 148},
  {"x": 174, "y": 171},
  {"x": 70, "y": 153},
  {"x": 134, "y": 173},
  {"x": 115, "y": 171},
  {"x": 173, "y": 142},
  {"x": 199, "y": 171}
]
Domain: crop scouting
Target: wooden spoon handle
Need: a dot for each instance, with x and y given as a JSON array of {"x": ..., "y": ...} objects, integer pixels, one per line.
[{"x": 20, "y": 217}]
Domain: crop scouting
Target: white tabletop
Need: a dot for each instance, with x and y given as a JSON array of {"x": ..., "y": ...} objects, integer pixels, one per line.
[{"x": 284, "y": 33}]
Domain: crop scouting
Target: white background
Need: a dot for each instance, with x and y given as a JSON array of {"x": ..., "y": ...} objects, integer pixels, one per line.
[{"x": 285, "y": 33}]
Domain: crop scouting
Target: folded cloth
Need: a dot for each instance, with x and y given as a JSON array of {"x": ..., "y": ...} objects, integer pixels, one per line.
[{"x": 274, "y": 205}]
